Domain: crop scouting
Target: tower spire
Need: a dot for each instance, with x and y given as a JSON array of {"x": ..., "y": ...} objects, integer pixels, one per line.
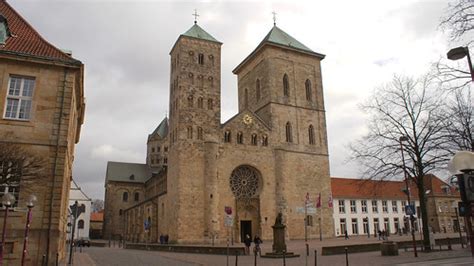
[
  {"x": 195, "y": 16},
  {"x": 274, "y": 18}
]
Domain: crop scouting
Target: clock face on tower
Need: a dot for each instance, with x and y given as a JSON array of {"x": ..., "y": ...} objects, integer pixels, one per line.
[{"x": 247, "y": 119}]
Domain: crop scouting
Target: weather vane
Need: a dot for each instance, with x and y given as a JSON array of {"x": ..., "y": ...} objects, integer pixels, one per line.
[
  {"x": 274, "y": 18},
  {"x": 195, "y": 16}
]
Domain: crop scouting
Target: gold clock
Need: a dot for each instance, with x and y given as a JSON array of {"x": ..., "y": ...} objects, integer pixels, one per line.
[{"x": 247, "y": 119}]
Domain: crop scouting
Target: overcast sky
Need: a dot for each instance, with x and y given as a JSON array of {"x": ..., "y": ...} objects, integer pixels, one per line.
[{"x": 125, "y": 47}]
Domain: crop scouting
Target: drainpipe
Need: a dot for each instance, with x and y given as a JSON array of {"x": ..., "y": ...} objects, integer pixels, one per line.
[{"x": 50, "y": 218}]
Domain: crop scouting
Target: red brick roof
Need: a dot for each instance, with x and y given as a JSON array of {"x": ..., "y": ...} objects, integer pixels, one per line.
[
  {"x": 25, "y": 40},
  {"x": 97, "y": 216},
  {"x": 369, "y": 189}
]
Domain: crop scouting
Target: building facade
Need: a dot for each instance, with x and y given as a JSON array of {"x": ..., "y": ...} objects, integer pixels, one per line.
[
  {"x": 363, "y": 207},
  {"x": 42, "y": 110},
  {"x": 260, "y": 162},
  {"x": 82, "y": 225}
]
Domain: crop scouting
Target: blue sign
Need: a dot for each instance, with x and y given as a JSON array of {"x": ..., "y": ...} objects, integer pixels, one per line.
[
  {"x": 410, "y": 210},
  {"x": 146, "y": 224}
]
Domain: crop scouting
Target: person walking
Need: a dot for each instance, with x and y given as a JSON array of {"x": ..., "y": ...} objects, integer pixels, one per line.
[
  {"x": 346, "y": 236},
  {"x": 257, "y": 241},
  {"x": 247, "y": 242}
]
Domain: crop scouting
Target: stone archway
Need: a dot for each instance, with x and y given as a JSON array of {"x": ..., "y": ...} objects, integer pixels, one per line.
[{"x": 246, "y": 184}]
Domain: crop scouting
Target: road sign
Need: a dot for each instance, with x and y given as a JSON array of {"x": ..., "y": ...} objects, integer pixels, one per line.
[
  {"x": 410, "y": 210},
  {"x": 309, "y": 210},
  {"x": 228, "y": 210},
  {"x": 228, "y": 220}
]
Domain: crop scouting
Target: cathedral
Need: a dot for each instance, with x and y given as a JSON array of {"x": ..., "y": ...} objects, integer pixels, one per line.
[{"x": 205, "y": 181}]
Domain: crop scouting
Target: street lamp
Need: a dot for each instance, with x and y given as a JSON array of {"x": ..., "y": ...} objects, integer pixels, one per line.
[
  {"x": 30, "y": 204},
  {"x": 401, "y": 139},
  {"x": 462, "y": 165},
  {"x": 461, "y": 52},
  {"x": 7, "y": 200}
]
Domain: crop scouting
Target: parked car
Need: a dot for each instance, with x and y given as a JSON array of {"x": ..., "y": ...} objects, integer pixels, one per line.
[{"x": 83, "y": 242}]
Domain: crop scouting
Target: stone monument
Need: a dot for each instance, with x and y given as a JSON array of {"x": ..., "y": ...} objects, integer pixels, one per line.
[{"x": 279, "y": 246}]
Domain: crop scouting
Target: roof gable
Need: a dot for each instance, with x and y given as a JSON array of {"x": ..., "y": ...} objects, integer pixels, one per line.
[
  {"x": 25, "y": 40},
  {"x": 127, "y": 172},
  {"x": 256, "y": 123},
  {"x": 161, "y": 130}
]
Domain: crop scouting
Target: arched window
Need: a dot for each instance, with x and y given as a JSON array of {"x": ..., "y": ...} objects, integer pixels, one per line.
[
  {"x": 254, "y": 139},
  {"x": 125, "y": 196},
  {"x": 200, "y": 101},
  {"x": 227, "y": 136},
  {"x": 137, "y": 196},
  {"x": 210, "y": 104},
  {"x": 289, "y": 137},
  {"x": 199, "y": 133},
  {"x": 201, "y": 59},
  {"x": 257, "y": 90},
  {"x": 190, "y": 132},
  {"x": 309, "y": 96},
  {"x": 240, "y": 138},
  {"x": 286, "y": 86},
  {"x": 264, "y": 140},
  {"x": 190, "y": 101},
  {"x": 80, "y": 224},
  {"x": 311, "y": 134}
]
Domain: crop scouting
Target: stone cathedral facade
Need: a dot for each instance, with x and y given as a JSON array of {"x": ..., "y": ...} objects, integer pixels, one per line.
[{"x": 262, "y": 161}]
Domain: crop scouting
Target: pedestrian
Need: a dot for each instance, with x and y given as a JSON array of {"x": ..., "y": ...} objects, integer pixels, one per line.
[
  {"x": 166, "y": 238},
  {"x": 257, "y": 241},
  {"x": 162, "y": 239},
  {"x": 380, "y": 234},
  {"x": 346, "y": 236},
  {"x": 383, "y": 234},
  {"x": 247, "y": 242}
]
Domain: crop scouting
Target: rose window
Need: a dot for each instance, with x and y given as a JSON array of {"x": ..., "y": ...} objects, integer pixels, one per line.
[{"x": 244, "y": 182}]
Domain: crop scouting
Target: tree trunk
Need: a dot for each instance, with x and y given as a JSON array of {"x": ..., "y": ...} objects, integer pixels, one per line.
[{"x": 424, "y": 214}]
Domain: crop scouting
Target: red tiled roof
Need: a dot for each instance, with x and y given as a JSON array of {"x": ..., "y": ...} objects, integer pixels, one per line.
[
  {"x": 97, "y": 216},
  {"x": 370, "y": 189},
  {"x": 25, "y": 40}
]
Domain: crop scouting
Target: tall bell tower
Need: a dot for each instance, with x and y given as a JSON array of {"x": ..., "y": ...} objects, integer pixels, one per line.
[{"x": 194, "y": 125}]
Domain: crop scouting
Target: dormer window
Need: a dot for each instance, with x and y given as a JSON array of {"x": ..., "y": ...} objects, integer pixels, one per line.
[
  {"x": 4, "y": 31},
  {"x": 132, "y": 177}
]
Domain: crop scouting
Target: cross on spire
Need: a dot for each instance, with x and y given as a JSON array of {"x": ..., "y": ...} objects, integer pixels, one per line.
[
  {"x": 195, "y": 16},
  {"x": 274, "y": 18}
]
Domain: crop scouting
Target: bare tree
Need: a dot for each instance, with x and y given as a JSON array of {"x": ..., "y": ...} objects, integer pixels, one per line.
[
  {"x": 459, "y": 20},
  {"x": 413, "y": 109},
  {"x": 460, "y": 128},
  {"x": 19, "y": 166},
  {"x": 97, "y": 205}
]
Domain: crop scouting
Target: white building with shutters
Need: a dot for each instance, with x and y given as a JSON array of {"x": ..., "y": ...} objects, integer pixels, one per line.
[
  {"x": 362, "y": 206},
  {"x": 83, "y": 221}
]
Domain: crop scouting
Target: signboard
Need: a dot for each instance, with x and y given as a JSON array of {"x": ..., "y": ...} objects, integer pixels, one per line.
[
  {"x": 228, "y": 220},
  {"x": 309, "y": 210},
  {"x": 410, "y": 210},
  {"x": 228, "y": 210}
]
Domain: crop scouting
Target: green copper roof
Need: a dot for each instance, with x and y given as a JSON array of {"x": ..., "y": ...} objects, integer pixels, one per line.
[
  {"x": 197, "y": 32},
  {"x": 127, "y": 172},
  {"x": 277, "y": 36}
]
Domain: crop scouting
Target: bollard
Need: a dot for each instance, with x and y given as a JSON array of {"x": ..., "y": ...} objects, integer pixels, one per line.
[
  {"x": 347, "y": 257},
  {"x": 236, "y": 258},
  {"x": 110, "y": 242},
  {"x": 284, "y": 257},
  {"x": 315, "y": 257},
  {"x": 43, "y": 260},
  {"x": 307, "y": 249},
  {"x": 255, "y": 256},
  {"x": 57, "y": 259},
  {"x": 449, "y": 244}
]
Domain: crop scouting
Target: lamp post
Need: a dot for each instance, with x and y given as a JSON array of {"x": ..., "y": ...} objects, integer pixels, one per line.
[
  {"x": 30, "y": 204},
  {"x": 7, "y": 200},
  {"x": 461, "y": 52},
  {"x": 401, "y": 139},
  {"x": 462, "y": 165}
]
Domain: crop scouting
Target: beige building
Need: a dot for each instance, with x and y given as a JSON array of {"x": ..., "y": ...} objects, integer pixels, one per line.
[
  {"x": 262, "y": 161},
  {"x": 42, "y": 110}
]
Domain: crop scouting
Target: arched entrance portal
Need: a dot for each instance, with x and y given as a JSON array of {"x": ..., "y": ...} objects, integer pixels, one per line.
[{"x": 246, "y": 184}]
